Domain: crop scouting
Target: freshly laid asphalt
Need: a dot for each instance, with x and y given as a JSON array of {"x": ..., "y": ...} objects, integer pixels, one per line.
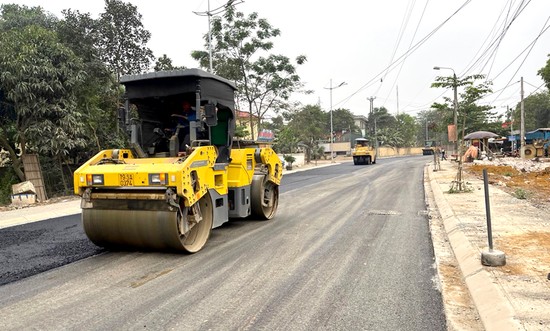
[{"x": 499, "y": 297}]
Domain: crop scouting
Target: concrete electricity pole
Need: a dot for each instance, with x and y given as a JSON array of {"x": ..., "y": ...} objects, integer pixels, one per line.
[
  {"x": 331, "y": 128},
  {"x": 210, "y": 13},
  {"x": 455, "y": 106},
  {"x": 371, "y": 99},
  {"x": 522, "y": 125}
]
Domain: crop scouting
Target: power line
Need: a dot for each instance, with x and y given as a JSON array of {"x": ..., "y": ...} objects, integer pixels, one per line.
[
  {"x": 406, "y": 54},
  {"x": 493, "y": 30},
  {"x": 404, "y": 23},
  {"x": 410, "y": 44},
  {"x": 532, "y": 44},
  {"x": 490, "y": 51}
]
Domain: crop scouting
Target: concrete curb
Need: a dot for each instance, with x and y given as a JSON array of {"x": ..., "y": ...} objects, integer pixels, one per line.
[
  {"x": 495, "y": 310},
  {"x": 39, "y": 213},
  {"x": 286, "y": 172}
]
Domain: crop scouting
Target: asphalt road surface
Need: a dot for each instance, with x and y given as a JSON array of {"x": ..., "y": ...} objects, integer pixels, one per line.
[{"x": 349, "y": 249}]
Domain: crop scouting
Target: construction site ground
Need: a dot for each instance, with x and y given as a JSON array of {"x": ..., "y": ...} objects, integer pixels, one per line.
[{"x": 515, "y": 296}]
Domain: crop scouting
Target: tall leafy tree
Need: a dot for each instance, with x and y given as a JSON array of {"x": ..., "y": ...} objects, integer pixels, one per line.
[
  {"x": 537, "y": 111},
  {"x": 308, "y": 125},
  {"x": 20, "y": 16},
  {"x": 241, "y": 46},
  {"x": 470, "y": 116},
  {"x": 99, "y": 94},
  {"x": 123, "y": 39},
  {"x": 287, "y": 140},
  {"x": 406, "y": 129},
  {"x": 165, "y": 63},
  {"x": 544, "y": 73},
  {"x": 342, "y": 120},
  {"x": 381, "y": 118},
  {"x": 39, "y": 77},
  {"x": 474, "y": 117},
  {"x": 389, "y": 136},
  {"x": 432, "y": 124}
]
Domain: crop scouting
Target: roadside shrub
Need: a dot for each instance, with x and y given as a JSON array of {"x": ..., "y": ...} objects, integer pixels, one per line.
[
  {"x": 521, "y": 194},
  {"x": 7, "y": 179}
]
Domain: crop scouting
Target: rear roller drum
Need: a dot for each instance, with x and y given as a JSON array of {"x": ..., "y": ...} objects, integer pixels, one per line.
[{"x": 264, "y": 197}]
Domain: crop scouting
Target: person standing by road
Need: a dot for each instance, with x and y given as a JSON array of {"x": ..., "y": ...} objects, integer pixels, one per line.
[{"x": 443, "y": 156}]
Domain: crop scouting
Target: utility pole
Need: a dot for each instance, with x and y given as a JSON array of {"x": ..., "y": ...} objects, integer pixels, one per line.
[
  {"x": 210, "y": 13},
  {"x": 371, "y": 99},
  {"x": 331, "y": 128},
  {"x": 427, "y": 137},
  {"x": 455, "y": 107},
  {"x": 397, "y": 95},
  {"x": 522, "y": 125},
  {"x": 371, "y": 112},
  {"x": 511, "y": 126},
  {"x": 458, "y": 180}
]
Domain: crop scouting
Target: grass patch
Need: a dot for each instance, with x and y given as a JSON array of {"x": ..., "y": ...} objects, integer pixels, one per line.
[{"x": 521, "y": 194}]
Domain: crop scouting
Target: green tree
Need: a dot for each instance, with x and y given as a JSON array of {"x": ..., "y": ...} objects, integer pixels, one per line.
[
  {"x": 241, "y": 131},
  {"x": 241, "y": 52},
  {"x": 432, "y": 124},
  {"x": 470, "y": 116},
  {"x": 342, "y": 120},
  {"x": 286, "y": 141},
  {"x": 39, "y": 77},
  {"x": 165, "y": 63},
  {"x": 99, "y": 95},
  {"x": 308, "y": 125},
  {"x": 17, "y": 17},
  {"x": 123, "y": 39},
  {"x": 406, "y": 129},
  {"x": 474, "y": 117},
  {"x": 544, "y": 73},
  {"x": 537, "y": 111},
  {"x": 389, "y": 136},
  {"x": 382, "y": 118}
]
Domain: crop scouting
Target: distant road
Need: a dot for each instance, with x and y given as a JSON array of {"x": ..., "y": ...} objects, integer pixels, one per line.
[{"x": 349, "y": 249}]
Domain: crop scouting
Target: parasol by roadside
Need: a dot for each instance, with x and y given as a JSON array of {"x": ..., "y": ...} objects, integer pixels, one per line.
[{"x": 480, "y": 135}]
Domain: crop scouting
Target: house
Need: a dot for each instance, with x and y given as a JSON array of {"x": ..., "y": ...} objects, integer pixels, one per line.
[{"x": 243, "y": 119}]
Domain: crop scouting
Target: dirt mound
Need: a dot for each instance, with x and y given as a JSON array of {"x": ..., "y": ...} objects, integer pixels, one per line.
[{"x": 524, "y": 179}]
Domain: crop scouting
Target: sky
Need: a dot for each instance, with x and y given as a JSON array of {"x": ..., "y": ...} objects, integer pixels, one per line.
[{"x": 381, "y": 50}]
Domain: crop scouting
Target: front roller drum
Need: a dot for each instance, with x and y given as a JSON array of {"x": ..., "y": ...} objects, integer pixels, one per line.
[
  {"x": 148, "y": 229},
  {"x": 264, "y": 197}
]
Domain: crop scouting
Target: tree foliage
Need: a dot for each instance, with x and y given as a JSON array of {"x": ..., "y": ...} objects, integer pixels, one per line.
[
  {"x": 99, "y": 95},
  {"x": 122, "y": 39},
  {"x": 59, "y": 78},
  {"x": 20, "y": 16},
  {"x": 544, "y": 73},
  {"x": 241, "y": 46},
  {"x": 537, "y": 111},
  {"x": 39, "y": 78},
  {"x": 342, "y": 120},
  {"x": 470, "y": 116},
  {"x": 165, "y": 63},
  {"x": 406, "y": 130}
]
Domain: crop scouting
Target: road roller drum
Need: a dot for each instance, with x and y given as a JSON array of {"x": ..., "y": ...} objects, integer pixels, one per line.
[{"x": 149, "y": 229}]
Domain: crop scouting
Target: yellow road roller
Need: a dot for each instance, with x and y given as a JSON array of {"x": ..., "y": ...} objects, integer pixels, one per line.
[
  {"x": 183, "y": 174},
  {"x": 364, "y": 152}
]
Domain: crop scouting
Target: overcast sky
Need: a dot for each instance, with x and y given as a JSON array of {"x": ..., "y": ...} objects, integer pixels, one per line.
[{"x": 384, "y": 49}]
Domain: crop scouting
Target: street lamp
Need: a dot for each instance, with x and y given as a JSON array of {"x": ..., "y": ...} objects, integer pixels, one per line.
[
  {"x": 455, "y": 106},
  {"x": 209, "y": 13},
  {"x": 331, "y": 129}
]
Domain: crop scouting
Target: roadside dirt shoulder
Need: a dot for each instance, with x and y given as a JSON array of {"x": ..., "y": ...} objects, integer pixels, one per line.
[{"x": 519, "y": 201}]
